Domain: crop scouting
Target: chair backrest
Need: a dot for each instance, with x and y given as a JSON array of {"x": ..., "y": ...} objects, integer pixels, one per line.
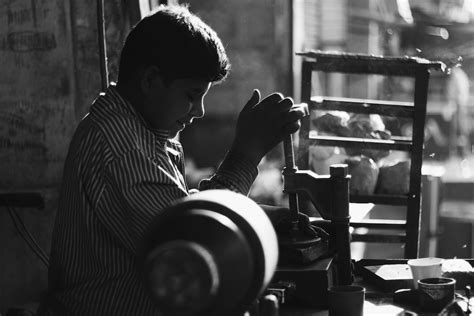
[{"x": 414, "y": 112}]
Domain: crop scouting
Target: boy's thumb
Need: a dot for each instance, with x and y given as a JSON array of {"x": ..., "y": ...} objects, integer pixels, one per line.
[{"x": 254, "y": 99}]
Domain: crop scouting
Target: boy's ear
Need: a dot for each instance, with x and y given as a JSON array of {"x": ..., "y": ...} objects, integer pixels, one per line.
[{"x": 150, "y": 78}]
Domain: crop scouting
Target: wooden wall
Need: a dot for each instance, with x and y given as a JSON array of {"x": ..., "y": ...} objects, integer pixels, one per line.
[
  {"x": 49, "y": 76},
  {"x": 36, "y": 122},
  {"x": 36, "y": 84}
]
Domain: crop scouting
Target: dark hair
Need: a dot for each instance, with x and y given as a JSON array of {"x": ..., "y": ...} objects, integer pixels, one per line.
[{"x": 178, "y": 42}]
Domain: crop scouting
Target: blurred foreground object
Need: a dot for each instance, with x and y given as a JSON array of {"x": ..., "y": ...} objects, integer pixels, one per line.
[{"x": 212, "y": 253}]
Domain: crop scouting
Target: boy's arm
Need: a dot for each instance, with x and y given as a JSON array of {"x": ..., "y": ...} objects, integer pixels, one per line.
[
  {"x": 262, "y": 124},
  {"x": 235, "y": 173}
]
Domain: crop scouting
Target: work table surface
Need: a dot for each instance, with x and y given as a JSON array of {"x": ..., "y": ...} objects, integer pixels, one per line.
[{"x": 376, "y": 304}]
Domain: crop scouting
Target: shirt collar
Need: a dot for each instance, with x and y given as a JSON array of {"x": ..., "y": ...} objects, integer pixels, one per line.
[{"x": 123, "y": 105}]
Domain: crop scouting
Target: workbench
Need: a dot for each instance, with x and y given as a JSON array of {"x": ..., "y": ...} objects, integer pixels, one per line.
[
  {"x": 378, "y": 300},
  {"x": 376, "y": 304}
]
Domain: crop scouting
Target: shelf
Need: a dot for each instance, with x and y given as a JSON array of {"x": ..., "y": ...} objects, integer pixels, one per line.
[
  {"x": 385, "y": 108},
  {"x": 362, "y": 64},
  {"x": 364, "y": 143}
]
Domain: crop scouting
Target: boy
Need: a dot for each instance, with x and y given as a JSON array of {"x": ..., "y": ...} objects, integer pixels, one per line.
[{"x": 124, "y": 164}]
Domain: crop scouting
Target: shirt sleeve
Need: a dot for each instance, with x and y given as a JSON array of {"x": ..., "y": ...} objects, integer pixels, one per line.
[
  {"x": 139, "y": 189},
  {"x": 235, "y": 173}
]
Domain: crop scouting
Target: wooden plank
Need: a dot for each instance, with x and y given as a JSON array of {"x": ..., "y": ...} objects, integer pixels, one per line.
[
  {"x": 366, "y": 143},
  {"x": 414, "y": 202},
  {"x": 388, "y": 277},
  {"x": 385, "y": 108},
  {"x": 369, "y": 64}
]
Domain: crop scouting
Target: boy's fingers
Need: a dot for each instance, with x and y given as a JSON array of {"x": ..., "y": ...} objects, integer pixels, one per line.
[
  {"x": 291, "y": 117},
  {"x": 300, "y": 107},
  {"x": 321, "y": 232},
  {"x": 254, "y": 99},
  {"x": 291, "y": 128},
  {"x": 272, "y": 99},
  {"x": 294, "y": 114},
  {"x": 285, "y": 104}
]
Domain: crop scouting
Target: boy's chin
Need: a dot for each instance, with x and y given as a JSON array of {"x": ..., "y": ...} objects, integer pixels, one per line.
[{"x": 173, "y": 133}]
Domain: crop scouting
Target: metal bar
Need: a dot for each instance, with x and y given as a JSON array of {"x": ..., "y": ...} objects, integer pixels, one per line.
[
  {"x": 385, "y": 108},
  {"x": 102, "y": 45},
  {"x": 379, "y": 238},
  {"x": 380, "y": 223},
  {"x": 376, "y": 262},
  {"x": 291, "y": 167},
  {"x": 380, "y": 199}
]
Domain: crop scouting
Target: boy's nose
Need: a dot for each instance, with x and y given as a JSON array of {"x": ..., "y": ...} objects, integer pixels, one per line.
[{"x": 198, "y": 109}]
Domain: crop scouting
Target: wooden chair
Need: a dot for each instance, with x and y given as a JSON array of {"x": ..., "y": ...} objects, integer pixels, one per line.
[{"x": 416, "y": 68}]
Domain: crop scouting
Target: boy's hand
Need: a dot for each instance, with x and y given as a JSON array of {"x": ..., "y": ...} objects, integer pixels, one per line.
[
  {"x": 263, "y": 124},
  {"x": 281, "y": 221}
]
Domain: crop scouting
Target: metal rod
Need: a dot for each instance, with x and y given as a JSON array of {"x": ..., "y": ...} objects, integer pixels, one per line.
[
  {"x": 291, "y": 167},
  {"x": 289, "y": 153},
  {"x": 102, "y": 45}
]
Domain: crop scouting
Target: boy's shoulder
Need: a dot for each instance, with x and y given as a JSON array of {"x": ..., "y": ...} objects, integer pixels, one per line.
[{"x": 118, "y": 127}]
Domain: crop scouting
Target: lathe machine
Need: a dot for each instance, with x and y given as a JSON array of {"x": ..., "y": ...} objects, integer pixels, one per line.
[{"x": 217, "y": 253}]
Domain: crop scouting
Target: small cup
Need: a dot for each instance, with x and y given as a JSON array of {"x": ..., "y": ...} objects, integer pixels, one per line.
[
  {"x": 346, "y": 300},
  {"x": 436, "y": 293},
  {"x": 424, "y": 268}
]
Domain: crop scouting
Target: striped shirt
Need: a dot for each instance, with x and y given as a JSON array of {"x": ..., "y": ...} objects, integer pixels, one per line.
[{"x": 118, "y": 176}]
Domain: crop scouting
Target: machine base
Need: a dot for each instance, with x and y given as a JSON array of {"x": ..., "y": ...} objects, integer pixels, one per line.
[{"x": 310, "y": 281}]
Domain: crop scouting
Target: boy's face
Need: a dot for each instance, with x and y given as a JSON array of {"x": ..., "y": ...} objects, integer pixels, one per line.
[{"x": 174, "y": 105}]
